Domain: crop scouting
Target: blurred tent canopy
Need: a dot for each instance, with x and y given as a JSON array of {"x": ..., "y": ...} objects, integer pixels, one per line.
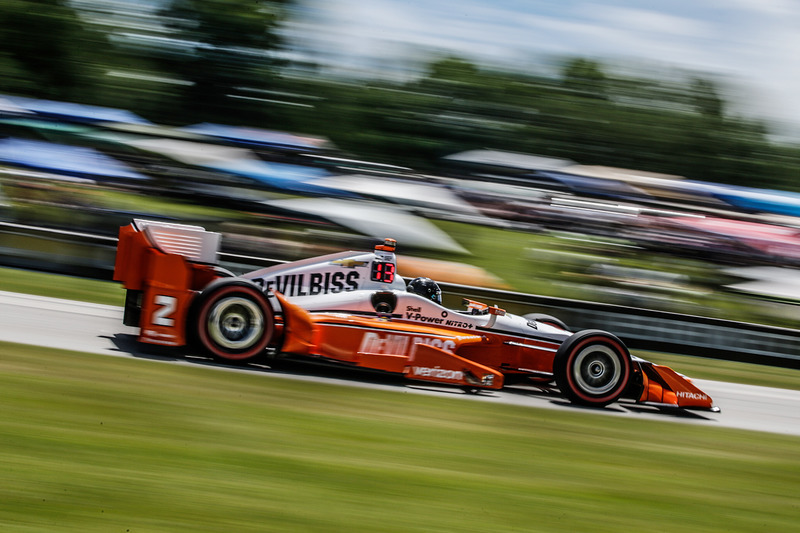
[
  {"x": 229, "y": 160},
  {"x": 760, "y": 200},
  {"x": 414, "y": 193},
  {"x": 7, "y": 107},
  {"x": 259, "y": 137},
  {"x": 628, "y": 175},
  {"x": 657, "y": 185},
  {"x": 775, "y": 283},
  {"x": 43, "y": 128},
  {"x": 183, "y": 151},
  {"x": 513, "y": 162},
  {"x": 280, "y": 176},
  {"x": 765, "y": 240},
  {"x": 588, "y": 185},
  {"x": 65, "y": 160},
  {"x": 156, "y": 130},
  {"x": 75, "y": 112},
  {"x": 742, "y": 199},
  {"x": 375, "y": 220}
]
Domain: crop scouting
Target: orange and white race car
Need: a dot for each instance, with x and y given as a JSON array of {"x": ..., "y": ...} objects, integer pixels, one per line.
[{"x": 353, "y": 309}]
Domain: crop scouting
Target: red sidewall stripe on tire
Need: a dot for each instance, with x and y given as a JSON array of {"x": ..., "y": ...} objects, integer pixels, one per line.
[
  {"x": 621, "y": 352},
  {"x": 202, "y": 318}
]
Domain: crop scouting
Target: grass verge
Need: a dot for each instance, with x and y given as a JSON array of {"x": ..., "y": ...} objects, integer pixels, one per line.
[
  {"x": 61, "y": 286},
  {"x": 94, "y": 443}
]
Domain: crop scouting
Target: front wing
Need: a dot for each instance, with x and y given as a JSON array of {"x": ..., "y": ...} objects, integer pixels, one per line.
[{"x": 663, "y": 387}]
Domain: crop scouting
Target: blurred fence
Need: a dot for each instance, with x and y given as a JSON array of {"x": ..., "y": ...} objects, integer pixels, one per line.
[
  {"x": 93, "y": 256},
  {"x": 56, "y": 250}
]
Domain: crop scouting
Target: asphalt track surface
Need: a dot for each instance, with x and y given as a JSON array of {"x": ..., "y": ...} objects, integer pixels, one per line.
[{"x": 93, "y": 328}]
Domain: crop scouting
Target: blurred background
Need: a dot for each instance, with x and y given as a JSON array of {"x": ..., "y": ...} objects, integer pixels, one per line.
[{"x": 622, "y": 152}]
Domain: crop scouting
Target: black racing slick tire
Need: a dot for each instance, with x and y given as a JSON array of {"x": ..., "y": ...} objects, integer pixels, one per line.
[
  {"x": 547, "y": 319},
  {"x": 592, "y": 368},
  {"x": 233, "y": 322}
]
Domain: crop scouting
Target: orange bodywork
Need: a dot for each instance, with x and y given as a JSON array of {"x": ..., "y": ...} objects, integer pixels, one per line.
[
  {"x": 167, "y": 284},
  {"x": 418, "y": 352},
  {"x": 662, "y": 385}
]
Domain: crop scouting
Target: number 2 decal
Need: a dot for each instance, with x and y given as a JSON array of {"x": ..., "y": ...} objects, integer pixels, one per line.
[{"x": 166, "y": 306}]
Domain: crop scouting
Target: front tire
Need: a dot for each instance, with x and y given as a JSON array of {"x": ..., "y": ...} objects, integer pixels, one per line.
[
  {"x": 592, "y": 368},
  {"x": 233, "y": 322}
]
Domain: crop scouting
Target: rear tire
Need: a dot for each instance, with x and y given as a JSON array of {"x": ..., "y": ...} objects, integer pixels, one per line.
[
  {"x": 592, "y": 368},
  {"x": 546, "y": 319},
  {"x": 233, "y": 321}
]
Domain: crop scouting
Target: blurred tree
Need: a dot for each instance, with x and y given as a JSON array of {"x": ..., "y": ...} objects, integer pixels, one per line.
[
  {"x": 220, "y": 60},
  {"x": 47, "y": 52},
  {"x": 226, "y": 52},
  {"x": 706, "y": 99},
  {"x": 584, "y": 77},
  {"x": 675, "y": 125},
  {"x": 453, "y": 69},
  {"x": 455, "y": 105}
]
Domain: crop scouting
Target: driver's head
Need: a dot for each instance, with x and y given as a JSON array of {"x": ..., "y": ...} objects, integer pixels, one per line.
[{"x": 427, "y": 288}]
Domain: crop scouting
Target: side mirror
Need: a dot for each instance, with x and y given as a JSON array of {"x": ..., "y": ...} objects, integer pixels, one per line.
[
  {"x": 474, "y": 307},
  {"x": 495, "y": 312}
]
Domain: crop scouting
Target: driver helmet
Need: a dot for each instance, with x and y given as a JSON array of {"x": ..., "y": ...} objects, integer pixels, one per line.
[{"x": 427, "y": 288}]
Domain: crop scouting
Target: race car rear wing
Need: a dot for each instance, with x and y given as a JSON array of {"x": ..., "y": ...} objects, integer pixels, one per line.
[
  {"x": 162, "y": 266},
  {"x": 192, "y": 242}
]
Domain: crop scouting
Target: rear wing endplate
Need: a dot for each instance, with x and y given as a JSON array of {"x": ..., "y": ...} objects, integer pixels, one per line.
[{"x": 192, "y": 242}]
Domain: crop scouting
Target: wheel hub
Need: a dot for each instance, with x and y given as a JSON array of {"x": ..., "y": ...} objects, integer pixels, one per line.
[
  {"x": 597, "y": 369},
  {"x": 235, "y": 323},
  {"x": 233, "y": 326}
]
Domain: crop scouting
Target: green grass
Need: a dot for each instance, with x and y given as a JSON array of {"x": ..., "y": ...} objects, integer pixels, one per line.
[
  {"x": 93, "y": 443},
  {"x": 61, "y": 286}
]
